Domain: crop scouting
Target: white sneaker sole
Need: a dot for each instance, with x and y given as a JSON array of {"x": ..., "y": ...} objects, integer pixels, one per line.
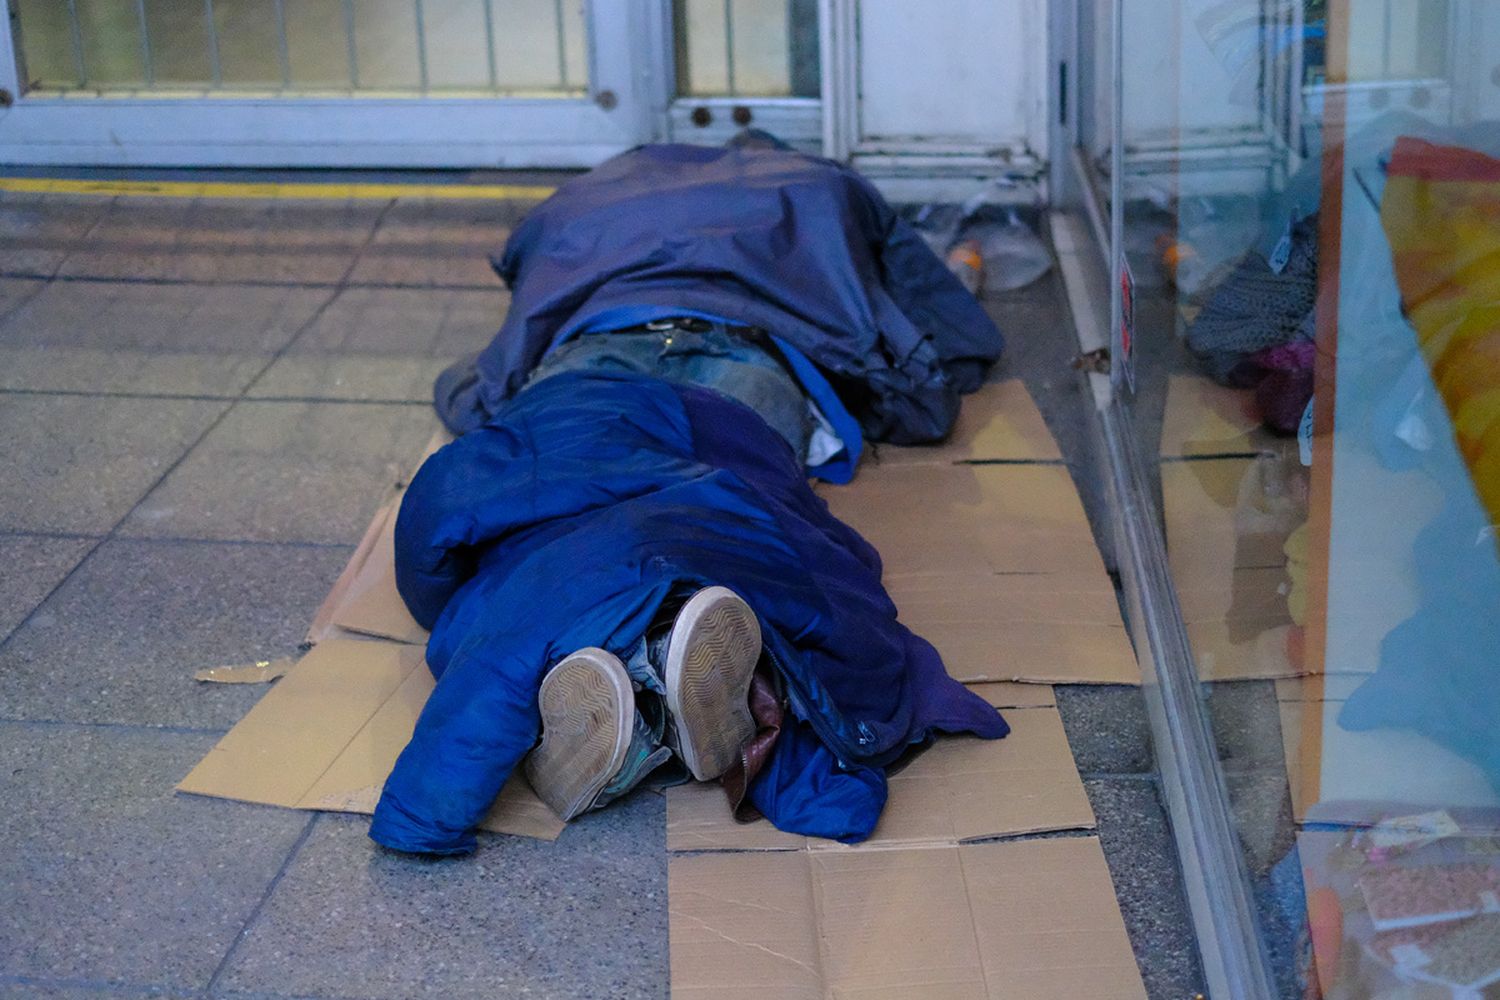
[
  {"x": 711, "y": 658},
  {"x": 588, "y": 709}
]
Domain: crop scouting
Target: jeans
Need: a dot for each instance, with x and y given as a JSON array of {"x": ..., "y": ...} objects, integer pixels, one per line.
[
  {"x": 712, "y": 356},
  {"x": 653, "y": 740},
  {"x": 717, "y": 359}
]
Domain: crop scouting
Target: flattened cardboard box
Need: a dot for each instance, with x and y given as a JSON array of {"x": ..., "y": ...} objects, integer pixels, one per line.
[
  {"x": 1058, "y": 628},
  {"x": 970, "y": 519},
  {"x": 957, "y": 790},
  {"x": 327, "y": 735},
  {"x": 364, "y": 600},
  {"x": 370, "y": 604},
  {"x": 1204, "y": 418},
  {"x": 1225, "y": 542},
  {"x": 998, "y": 423},
  {"x": 1035, "y": 919},
  {"x": 1229, "y": 513}
]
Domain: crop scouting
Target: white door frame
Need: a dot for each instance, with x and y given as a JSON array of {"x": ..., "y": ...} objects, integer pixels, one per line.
[
  {"x": 617, "y": 113},
  {"x": 918, "y": 168}
]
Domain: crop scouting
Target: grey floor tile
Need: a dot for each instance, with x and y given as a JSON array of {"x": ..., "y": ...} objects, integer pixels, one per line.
[
  {"x": 376, "y": 379},
  {"x": 185, "y": 240},
  {"x": 119, "y": 642},
  {"x": 1139, "y": 849},
  {"x": 583, "y": 917},
  {"x": 423, "y": 242},
  {"x": 1262, "y": 810},
  {"x": 86, "y": 336},
  {"x": 308, "y": 472},
  {"x": 78, "y": 463},
  {"x": 384, "y": 343},
  {"x": 109, "y": 875},
  {"x": 1246, "y": 723},
  {"x": 1107, "y": 728},
  {"x": 1262, "y": 807},
  {"x": 16, "y": 292},
  {"x": 30, "y": 988},
  {"x": 41, "y": 230},
  {"x": 32, "y": 566}
]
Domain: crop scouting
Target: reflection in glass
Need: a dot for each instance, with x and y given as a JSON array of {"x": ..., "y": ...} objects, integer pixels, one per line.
[
  {"x": 1312, "y": 195},
  {"x": 750, "y": 48}
]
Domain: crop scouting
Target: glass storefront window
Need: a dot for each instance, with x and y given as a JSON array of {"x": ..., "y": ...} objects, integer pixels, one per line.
[
  {"x": 1312, "y": 200},
  {"x": 305, "y": 46},
  {"x": 746, "y": 48}
]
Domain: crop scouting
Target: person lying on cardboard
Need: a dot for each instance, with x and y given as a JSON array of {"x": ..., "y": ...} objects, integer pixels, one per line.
[{"x": 620, "y": 558}]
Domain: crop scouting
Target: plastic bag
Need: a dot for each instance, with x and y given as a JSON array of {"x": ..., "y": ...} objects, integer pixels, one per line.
[{"x": 1014, "y": 256}]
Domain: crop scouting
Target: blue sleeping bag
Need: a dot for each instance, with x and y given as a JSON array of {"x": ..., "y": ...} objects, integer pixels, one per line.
[{"x": 565, "y": 521}]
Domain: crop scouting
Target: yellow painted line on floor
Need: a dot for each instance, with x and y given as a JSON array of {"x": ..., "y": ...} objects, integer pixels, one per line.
[{"x": 236, "y": 189}]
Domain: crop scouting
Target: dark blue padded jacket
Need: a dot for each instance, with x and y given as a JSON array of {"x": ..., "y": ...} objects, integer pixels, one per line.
[
  {"x": 567, "y": 519},
  {"x": 797, "y": 245}
]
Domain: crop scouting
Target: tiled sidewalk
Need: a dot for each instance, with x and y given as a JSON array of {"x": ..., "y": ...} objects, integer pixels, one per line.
[{"x": 201, "y": 404}]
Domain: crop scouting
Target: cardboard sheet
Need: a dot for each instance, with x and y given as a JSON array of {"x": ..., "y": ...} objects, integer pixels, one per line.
[
  {"x": 364, "y": 600},
  {"x": 1062, "y": 628},
  {"x": 371, "y": 605},
  {"x": 1318, "y": 687},
  {"x": 1035, "y": 919},
  {"x": 1204, "y": 418},
  {"x": 996, "y": 566},
  {"x": 1264, "y": 655},
  {"x": 1229, "y": 513},
  {"x": 998, "y": 423},
  {"x": 959, "y": 789},
  {"x": 327, "y": 735},
  {"x": 970, "y": 518},
  {"x": 259, "y": 672},
  {"x": 1227, "y": 522}
]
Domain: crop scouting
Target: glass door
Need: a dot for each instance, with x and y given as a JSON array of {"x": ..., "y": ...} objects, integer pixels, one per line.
[
  {"x": 327, "y": 83},
  {"x": 745, "y": 63}
]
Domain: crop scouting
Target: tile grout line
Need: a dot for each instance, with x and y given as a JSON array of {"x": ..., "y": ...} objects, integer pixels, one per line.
[
  {"x": 95, "y": 279},
  {"x": 46, "y": 280},
  {"x": 171, "y": 468},
  {"x": 79, "y": 243},
  {"x": 212, "y": 398},
  {"x": 339, "y": 288},
  {"x": 25, "y": 300},
  {"x": 172, "y": 539},
  {"x": 255, "y": 912},
  {"x": 135, "y": 727},
  {"x": 181, "y": 458},
  {"x": 92, "y": 985},
  {"x": 1150, "y": 777}
]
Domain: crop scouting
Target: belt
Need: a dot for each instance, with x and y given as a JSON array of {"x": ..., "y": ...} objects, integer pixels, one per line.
[{"x": 695, "y": 324}]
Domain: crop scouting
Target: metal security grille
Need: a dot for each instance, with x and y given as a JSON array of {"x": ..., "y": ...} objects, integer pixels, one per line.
[
  {"x": 493, "y": 47},
  {"x": 746, "y": 48}
]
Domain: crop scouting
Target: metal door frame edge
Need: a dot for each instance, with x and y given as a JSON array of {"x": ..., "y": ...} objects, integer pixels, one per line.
[{"x": 1235, "y": 962}]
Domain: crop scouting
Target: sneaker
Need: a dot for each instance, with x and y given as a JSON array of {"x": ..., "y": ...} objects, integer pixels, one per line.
[
  {"x": 711, "y": 656},
  {"x": 588, "y": 715}
]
